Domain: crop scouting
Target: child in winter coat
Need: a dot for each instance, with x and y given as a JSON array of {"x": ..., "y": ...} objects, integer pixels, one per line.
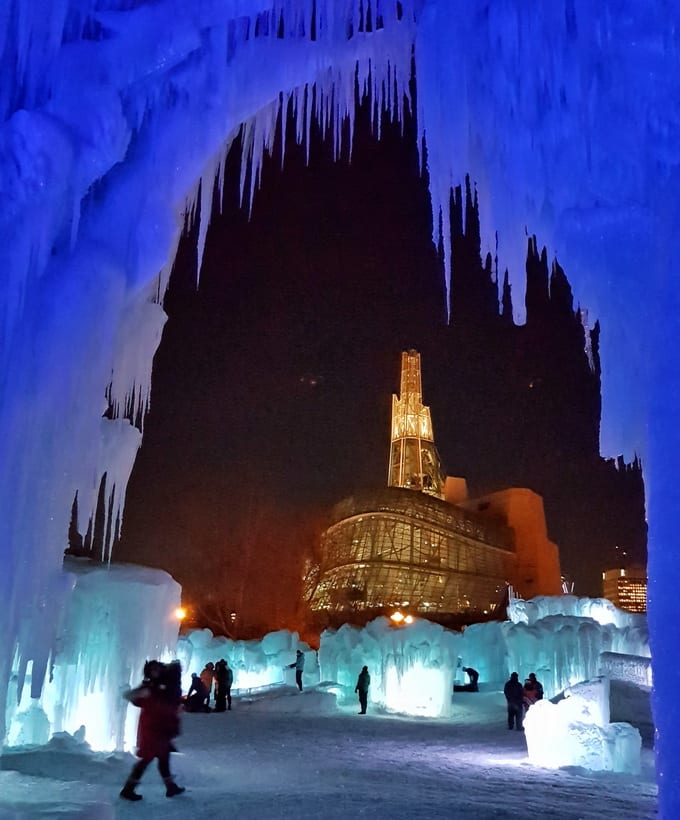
[{"x": 158, "y": 697}]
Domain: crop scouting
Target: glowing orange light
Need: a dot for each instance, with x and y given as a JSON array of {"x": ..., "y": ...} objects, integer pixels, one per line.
[
  {"x": 397, "y": 617},
  {"x": 408, "y": 619},
  {"x": 180, "y": 613}
]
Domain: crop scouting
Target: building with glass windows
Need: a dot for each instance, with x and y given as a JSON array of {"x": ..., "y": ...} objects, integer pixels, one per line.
[{"x": 421, "y": 543}]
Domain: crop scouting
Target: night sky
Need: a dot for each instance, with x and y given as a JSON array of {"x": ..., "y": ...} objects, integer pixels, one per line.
[{"x": 272, "y": 386}]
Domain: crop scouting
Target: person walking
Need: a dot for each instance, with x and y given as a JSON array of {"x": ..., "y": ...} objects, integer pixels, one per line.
[
  {"x": 224, "y": 678},
  {"x": 538, "y": 686},
  {"x": 514, "y": 695},
  {"x": 158, "y": 726},
  {"x": 207, "y": 676},
  {"x": 299, "y": 665},
  {"x": 363, "y": 682},
  {"x": 228, "y": 681}
]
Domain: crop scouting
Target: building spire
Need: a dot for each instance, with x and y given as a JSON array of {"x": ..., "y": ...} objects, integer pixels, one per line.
[{"x": 414, "y": 460}]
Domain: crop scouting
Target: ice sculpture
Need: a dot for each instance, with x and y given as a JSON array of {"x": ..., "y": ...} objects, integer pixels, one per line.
[
  {"x": 255, "y": 664},
  {"x": 111, "y": 620},
  {"x": 565, "y": 114},
  {"x": 577, "y": 732},
  {"x": 413, "y": 667},
  {"x": 599, "y": 609}
]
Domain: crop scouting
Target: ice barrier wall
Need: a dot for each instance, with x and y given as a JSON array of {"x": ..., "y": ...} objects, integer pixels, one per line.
[
  {"x": 566, "y": 116},
  {"x": 103, "y": 643},
  {"x": 111, "y": 620}
]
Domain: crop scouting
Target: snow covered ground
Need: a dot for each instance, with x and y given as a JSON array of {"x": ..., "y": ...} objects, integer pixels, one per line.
[{"x": 297, "y": 755}]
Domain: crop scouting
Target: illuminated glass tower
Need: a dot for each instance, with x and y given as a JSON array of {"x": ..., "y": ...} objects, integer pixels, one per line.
[
  {"x": 414, "y": 460},
  {"x": 410, "y": 545}
]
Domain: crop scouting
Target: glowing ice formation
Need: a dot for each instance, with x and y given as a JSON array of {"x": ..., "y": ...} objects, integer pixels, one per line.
[
  {"x": 577, "y": 732},
  {"x": 255, "y": 664},
  {"x": 413, "y": 667},
  {"x": 565, "y": 114},
  {"x": 112, "y": 620}
]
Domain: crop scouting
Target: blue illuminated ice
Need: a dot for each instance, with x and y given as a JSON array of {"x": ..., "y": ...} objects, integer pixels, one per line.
[{"x": 565, "y": 115}]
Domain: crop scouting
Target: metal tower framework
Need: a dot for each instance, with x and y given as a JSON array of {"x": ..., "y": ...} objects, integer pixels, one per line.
[{"x": 414, "y": 460}]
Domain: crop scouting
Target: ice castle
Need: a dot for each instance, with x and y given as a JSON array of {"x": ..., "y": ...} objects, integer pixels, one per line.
[{"x": 113, "y": 111}]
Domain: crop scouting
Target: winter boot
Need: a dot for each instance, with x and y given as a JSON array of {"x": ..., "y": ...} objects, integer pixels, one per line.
[
  {"x": 172, "y": 789},
  {"x": 128, "y": 791}
]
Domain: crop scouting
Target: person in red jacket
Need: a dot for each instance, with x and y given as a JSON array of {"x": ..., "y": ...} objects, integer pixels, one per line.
[{"x": 158, "y": 697}]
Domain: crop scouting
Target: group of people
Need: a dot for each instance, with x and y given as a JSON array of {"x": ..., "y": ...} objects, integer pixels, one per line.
[
  {"x": 159, "y": 697},
  {"x": 521, "y": 698},
  {"x": 198, "y": 697}
]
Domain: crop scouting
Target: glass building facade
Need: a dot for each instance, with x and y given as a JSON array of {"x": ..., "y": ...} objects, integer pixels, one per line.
[
  {"x": 406, "y": 546},
  {"x": 396, "y": 547}
]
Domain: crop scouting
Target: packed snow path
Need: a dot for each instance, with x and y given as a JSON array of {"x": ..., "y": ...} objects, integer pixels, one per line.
[{"x": 298, "y": 756}]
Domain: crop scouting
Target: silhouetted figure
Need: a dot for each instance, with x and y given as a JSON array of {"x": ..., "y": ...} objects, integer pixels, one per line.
[
  {"x": 363, "y": 682},
  {"x": 159, "y": 698},
  {"x": 224, "y": 677},
  {"x": 299, "y": 665},
  {"x": 538, "y": 686},
  {"x": 530, "y": 694},
  {"x": 207, "y": 676},
  {"x": 196, "y": 696},
  {"x": 514, "y": 695},
  {"x": 473, "y": 676}
]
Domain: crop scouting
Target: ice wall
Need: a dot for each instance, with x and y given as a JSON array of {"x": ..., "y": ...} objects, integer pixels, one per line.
[
  {"x": 413, "y": 667},
  {"x": 255, "y": 664},
  {"x": 599, "y": 609},
  {"x": 565, "y": 114},
  {"x": 112, "y": 619}
]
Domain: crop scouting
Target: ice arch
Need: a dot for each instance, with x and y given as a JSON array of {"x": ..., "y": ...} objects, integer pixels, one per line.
[{"x": 566, "y": 115}]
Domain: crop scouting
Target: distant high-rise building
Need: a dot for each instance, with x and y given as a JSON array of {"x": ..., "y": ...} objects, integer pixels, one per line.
[
  {"x": 421, "y": 543},
  {"x": 626, "y": 588}
]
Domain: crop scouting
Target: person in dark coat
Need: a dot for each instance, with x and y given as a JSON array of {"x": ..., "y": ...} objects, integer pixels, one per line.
[
  {"x": 472, "y": 686},
  {"x": 197, "y": 695},
  {"x": 299, "y": 665},
  {"x": 224, "y": 677},
  {"x": 538, "y": 686},
  {"x": 363, "y": 682},
  {"x": 159, "y": 698},
  {"x": 514, "y": 695}
]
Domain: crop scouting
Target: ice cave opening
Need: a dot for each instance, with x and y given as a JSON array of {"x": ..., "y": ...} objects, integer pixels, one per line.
[{"x": 100, "y": 153}]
